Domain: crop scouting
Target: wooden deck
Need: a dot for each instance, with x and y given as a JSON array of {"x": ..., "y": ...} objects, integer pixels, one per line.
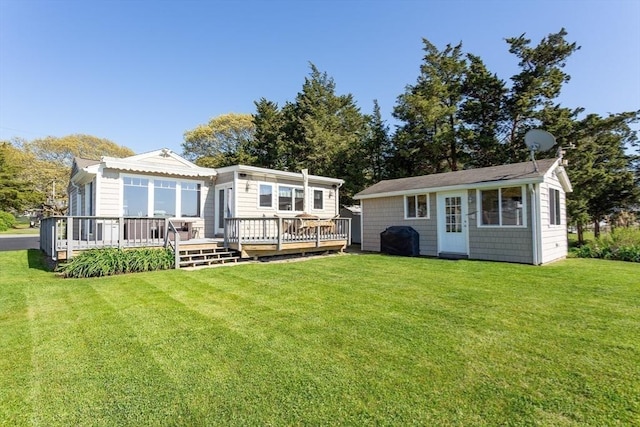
[{"x": 62, "y": 238}]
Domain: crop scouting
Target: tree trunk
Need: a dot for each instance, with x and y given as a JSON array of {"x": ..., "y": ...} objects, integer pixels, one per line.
[
  {"x": 596, "y": 228},
  {"x": 580, "y": 230}
]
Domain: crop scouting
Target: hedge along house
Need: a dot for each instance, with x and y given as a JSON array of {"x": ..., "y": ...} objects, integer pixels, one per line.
[
  {"x": 148, "y": 199},
  {"x": 513, "y": 213}
]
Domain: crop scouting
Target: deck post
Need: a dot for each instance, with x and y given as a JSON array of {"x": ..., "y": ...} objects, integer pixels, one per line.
[
  {"x": 176, "y": 242},
  {"x": 317, "y": 236},
  {"x": 69, "y": 237},
  {"x": 238, "y": 222},
  {"x": 54, "y": 239},
  {"x": 120, "y": 232},
  {"x": 279, "y": 230}
]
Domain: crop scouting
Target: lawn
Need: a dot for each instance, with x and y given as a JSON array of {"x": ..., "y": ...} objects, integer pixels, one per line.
[{"x": 343, "y": 340}]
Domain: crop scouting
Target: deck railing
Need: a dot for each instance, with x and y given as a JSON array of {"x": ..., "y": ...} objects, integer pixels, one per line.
[
  {"x": 281, "y": 231},
  {"x": 75, "y": 233}
]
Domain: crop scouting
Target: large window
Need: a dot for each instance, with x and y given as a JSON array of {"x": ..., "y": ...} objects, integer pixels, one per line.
[
  {"x": 416, "y": 206},
  {"x": 136, "y": 197},
  {"x": 164, "y": 198},
  {"x": 266, "y": 196},
  {"x": 189, "y": 199},
  {"x": 290, "y": 198},
  {"x": 318, "y": 200},
  {"x": 502, "y": 206},
  {"x": 554, "y": 206}
]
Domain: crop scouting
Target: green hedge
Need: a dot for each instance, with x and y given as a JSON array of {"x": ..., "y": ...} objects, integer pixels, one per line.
[
  {"x": 622, "y": 244},
  {"x": 110, "y": 261},
  {"x": 7, "y": 221}
]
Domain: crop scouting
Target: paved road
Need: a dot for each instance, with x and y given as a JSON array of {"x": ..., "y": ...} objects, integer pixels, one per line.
[{"x": 17, "y": 242}]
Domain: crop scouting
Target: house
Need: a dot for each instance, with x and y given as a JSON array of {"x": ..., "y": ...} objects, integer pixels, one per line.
[
  {"x": 514, "y": 213},
  {"x": 150, "y": 198}
]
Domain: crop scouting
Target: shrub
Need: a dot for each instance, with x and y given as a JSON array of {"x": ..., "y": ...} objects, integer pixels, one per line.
[
  {"x": 110, "y": 261},
  {"x": 7, "y": 221},
  {"x": 622, "y": 244}
]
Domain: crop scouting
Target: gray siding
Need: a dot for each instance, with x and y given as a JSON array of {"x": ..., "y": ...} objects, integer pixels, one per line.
[
  {"x": 208, "y": 196},
  {"x": 378, "y": 214},
  {"x": 509, "y": 244}
]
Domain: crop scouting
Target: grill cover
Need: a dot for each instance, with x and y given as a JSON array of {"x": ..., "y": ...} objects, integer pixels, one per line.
[{"x": 400, "y": 240}]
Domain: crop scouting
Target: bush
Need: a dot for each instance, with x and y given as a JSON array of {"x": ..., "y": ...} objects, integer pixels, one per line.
[
  {"x": 6, "y": 221},
  {"x": 110, "y": 261},
  {"x": 622, "y": 244}
]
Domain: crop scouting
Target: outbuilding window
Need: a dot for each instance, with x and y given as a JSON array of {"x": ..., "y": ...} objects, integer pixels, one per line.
[
  {"x": 502, "y": 206},
  {"x": 554, "y": 206},
  {"x": 416, "y": 206}
]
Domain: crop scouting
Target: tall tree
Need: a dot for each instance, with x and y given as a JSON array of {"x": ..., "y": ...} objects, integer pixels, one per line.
[
  {"x": 223, "y": 141},
  {"x": 535, "y": 87},
  {"x": 269, "y": 145},
  {"x": 430, "y": 139},
  {"x": 376, "y": 148},
  {"x": 16, "y": 192},
  {"x": 600, "y": 169}
]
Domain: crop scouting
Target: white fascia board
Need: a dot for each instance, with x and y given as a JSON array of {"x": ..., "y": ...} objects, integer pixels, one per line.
[
  {"x": 475, "y": 186},
  {"x": 278, "y": 173},
  {"x": 84, "y": 175},
  {"x": 126, "y": 165},
  {"x": 161, "y": 152}
]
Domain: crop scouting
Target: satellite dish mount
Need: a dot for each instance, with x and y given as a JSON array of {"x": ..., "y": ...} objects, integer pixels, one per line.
[{"x": 538, "y": 140}]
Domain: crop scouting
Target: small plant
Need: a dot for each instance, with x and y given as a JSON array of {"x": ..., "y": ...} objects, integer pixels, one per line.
[
  {"x": 7, "y": 221},
  {"x": 111, "y": 261},
  {"x": 622, "y": 244}
]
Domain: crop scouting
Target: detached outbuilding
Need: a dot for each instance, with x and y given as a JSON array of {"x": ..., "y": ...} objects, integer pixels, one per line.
[{"x": 513, "y": 213}]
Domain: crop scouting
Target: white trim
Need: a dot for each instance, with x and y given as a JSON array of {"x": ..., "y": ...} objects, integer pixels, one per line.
[
  {"x": 97, "y": 190},
  {"x": 264, "y": 172},
  {"x": 293, "y": 198},
  {"x": 413, "y": 218},
  {"x": 474, "y": 186},
  {"x": 313, "y": 199},
  {"x": 441, "y": 219},
  {"x": 273, "y": 195},
  {"x": 523, "y": 194}
]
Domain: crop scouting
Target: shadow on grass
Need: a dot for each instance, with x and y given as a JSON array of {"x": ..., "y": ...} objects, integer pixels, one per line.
[{"x": 37, "y": 260}]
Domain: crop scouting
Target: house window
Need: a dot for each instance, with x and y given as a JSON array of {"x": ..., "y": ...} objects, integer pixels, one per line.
[
  {"x": 189, "y": 199},
  {"x": 164, "y": 198},
  {"x": 266, "y": 196},
  {"x": 416, "y": 206},
  {"x": 136, "y": 196},
  {"x": 554, "y": 206},
  {"x": 502, "y": 206},
  {"x": 290, "y": 198},
  {"x": 318, "y": 200}
]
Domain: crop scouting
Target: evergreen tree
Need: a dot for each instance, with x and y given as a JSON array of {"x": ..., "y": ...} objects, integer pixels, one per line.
[
  {"x": 376, "y": 148},
  {"x": 268, "y": 146}
]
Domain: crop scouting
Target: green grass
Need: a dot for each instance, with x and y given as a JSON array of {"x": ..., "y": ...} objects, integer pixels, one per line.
[
  {"x": 351, "y": 340},
  {"x": 21, "y": 229}
]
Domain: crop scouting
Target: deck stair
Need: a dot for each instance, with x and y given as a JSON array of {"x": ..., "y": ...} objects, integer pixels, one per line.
[{"x": 208, "y": 254}]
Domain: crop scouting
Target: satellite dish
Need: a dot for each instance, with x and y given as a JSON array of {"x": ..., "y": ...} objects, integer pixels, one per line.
[{"x": 539, "y": 140}]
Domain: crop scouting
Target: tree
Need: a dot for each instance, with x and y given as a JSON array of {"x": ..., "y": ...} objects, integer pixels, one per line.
[
  {"x": 376, "y": 148},
  {"x": 534, "y": 88},
  {"x": 430, "y": 140},
  {"x": 269, "y": 145},
  {"x": 16, "y": 193},
  {"x": 601, "y": 172},
  {"x": 223, "y": 141}
]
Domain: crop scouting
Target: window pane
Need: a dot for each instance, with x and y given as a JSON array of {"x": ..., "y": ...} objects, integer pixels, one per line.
[
  {"x": 299, "y": 199},
  {"x": 221, "y": 208},
  {"x": 285, "y": 198},
  {"x": 512, "y": 206},
  {"x": 411, "y": 206},
  {"x": 136, "y": 197},
  {"x": 190, "y": 199},
  {"x": 422, "y": 205},
  {"x": 164, "y": 198},
  {"x": 318, "y": 200},
  {"x": 266, "y": 196},
  {"x": 490, "y": 213},
  {"x": 554, "y": 206}
]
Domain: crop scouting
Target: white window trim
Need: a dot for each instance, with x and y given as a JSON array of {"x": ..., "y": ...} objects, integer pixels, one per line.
[
  {"x": 150, "y": 194},
  {"x": 549, "y": 189},
  {"x": 274, "y": 194},
  {"x": 525, "y": 207},
  {"x": 293, "y": 187},
  {"x": 415, "y": 196},
  {"x": 313, "y": 190}
]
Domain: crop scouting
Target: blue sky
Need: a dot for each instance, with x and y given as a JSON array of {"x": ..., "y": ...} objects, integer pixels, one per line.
[{"x": 141, "y": 73}]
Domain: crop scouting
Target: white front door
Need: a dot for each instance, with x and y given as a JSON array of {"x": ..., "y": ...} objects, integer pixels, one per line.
[
  {"x": 452, "y": 223},
  {"x": 224, "y": 206}
]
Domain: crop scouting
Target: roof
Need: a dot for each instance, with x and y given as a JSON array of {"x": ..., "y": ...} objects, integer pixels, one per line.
[
  {"x": 275, "y": 172},
  {"x": 517, "y": 173},
  {"x": 83, "y": 163}
]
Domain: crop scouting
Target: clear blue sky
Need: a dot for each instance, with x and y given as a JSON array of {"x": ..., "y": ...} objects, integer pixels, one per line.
[{"x": 140, "y": 73}]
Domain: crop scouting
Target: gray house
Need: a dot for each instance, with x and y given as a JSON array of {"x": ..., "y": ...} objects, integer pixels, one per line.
[{"x": 513, "y": 213}]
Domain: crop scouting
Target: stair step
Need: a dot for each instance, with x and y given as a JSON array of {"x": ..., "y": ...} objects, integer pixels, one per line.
[{"x": 206, "y": 256}]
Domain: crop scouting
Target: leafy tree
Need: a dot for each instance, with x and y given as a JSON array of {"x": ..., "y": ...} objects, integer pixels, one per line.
[
  {"x": 223, "y": 141},
  {"x": 16, "y": 193}
]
